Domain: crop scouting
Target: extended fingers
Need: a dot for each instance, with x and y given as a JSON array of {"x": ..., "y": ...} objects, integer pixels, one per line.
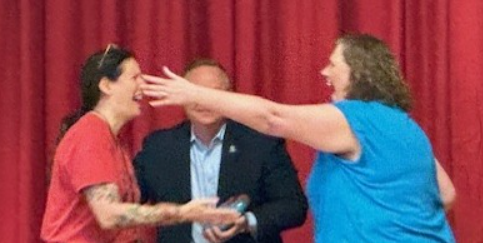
[
  {"x": 215, "y": 234},
  {"x": 154, "y": 93},
  {"x": 156, "y": 103},
  {"x": 210, "y": 235},
  {"x": 154, "y": 79},
  {"x": 172, "y": 90},
  {"x": 154, "y": 87},
  {"x": 170, "y": 74}
]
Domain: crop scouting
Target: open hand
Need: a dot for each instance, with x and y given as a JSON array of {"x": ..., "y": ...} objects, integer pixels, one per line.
[
  {"x": 173, "y": 90},
  {"x": 204, "y": 211}
]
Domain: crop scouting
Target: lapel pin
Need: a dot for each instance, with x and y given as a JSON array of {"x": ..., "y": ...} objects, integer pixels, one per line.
[{"x": 232, "y": 149}]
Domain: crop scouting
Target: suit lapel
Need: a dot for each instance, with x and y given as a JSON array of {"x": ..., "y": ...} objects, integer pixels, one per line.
[
  {"x": 229, "y": 157},
  {"x": 184, "y": 183},
  {"x": 185, "y": 160}
]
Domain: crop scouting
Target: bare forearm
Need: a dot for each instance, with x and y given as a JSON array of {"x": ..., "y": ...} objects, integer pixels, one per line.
[
  {"x": 111, "y": 212},
  {"x": 295, "y": 122},
  {"x": 253, "y": 111},
  {"x": 127, "y": 215},
  {"x": 260, "y": 114}
]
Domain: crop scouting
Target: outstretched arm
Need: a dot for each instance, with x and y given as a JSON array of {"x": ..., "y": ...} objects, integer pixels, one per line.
[
  {"x": 111, "y": 212},
  {"x": 322, "y": 127}
]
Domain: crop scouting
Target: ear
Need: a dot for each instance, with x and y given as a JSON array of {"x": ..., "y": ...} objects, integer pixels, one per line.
[{"x": 105, "y": 86}]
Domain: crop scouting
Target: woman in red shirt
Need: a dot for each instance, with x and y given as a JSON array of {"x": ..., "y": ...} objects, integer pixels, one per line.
[{"x": 93, "y": 195}]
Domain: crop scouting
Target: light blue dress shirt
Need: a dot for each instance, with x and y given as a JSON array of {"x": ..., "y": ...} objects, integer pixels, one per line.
[{"x": 205, "y": 170}]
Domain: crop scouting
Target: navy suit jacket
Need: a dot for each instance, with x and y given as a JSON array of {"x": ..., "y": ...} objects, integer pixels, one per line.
[{"x": 251, "y": 163}]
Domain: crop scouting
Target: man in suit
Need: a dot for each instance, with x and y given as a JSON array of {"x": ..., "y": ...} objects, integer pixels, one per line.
[{"x": 209, "y": 156}]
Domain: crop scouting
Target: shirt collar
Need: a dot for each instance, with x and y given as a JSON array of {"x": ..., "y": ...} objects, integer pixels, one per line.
[{"x": 220, "y": 135}]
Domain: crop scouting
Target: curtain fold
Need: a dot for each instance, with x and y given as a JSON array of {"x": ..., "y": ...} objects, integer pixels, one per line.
[
  {"x": 272, "y": 48},
  {"x": 22, "y": 154},
  {"x": 466, "y": 108}
]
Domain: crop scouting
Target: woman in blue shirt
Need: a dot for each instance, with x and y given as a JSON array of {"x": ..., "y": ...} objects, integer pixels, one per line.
[{"x": 375, "y": 178}]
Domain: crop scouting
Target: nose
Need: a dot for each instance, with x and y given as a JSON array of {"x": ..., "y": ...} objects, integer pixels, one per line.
[{"x": 140, "y": 80}]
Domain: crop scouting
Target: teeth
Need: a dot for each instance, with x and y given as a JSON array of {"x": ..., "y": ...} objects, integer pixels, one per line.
[{"x": 138, "y": 97}]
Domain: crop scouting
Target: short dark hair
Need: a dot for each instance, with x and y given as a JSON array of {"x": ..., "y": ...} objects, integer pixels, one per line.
[{"x": 199, "y": 62}]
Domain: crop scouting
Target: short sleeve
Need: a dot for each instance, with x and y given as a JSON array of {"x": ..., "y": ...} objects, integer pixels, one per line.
[
  {"x": 354, "y": 112},
  {"x": 91, "y": 157}
]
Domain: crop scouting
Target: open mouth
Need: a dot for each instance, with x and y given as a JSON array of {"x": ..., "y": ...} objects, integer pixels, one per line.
[{"x": 138, "y": 97}]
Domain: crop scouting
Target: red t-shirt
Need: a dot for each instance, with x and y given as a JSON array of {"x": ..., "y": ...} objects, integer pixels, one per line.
[{"x": 89, "y": 154}]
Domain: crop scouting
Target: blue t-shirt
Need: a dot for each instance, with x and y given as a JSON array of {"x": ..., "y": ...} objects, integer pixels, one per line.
[{"x": 390, "y": 194}]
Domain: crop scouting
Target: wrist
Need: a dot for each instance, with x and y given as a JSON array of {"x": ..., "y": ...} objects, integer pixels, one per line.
[
  {"x": 168, "y": 213},
  {"x": 178, "y": 214}
]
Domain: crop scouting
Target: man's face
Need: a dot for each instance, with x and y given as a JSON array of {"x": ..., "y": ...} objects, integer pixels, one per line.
[{"x": 211, "y": 77}]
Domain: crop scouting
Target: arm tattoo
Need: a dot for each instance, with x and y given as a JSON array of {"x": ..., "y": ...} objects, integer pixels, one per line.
[
  {"x": 147, "y": 214},
  {"x": 137, "y": 214},
  {"x": 130, "y": 214},
  {"x": 108, "y": 193}
]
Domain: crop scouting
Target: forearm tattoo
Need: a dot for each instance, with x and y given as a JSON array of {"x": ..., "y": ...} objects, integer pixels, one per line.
[
  {"x": 153, "y": 215},
  {"x": 108, "y": 193},
  {"x": 130, "y": 214}
]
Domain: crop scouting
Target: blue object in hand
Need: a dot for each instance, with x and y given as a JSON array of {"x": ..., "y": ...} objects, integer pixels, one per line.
[{"x": 238, "y": 203}]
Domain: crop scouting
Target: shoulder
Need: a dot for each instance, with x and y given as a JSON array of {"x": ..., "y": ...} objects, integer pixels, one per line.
[
  {"x": 367, "y": 110},
  {"x": 353, "y": 105},
  {"x": 89, "y": 130},
  {"x": 163, "y": 143},
  {"x": 169, "y": 133},
  {"x": 169, "y": 138},
  {"x": 363, "y": 107}
]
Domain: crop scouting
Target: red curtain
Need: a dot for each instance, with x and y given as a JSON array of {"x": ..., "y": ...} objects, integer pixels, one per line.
[{"x": 272, "y": 48}]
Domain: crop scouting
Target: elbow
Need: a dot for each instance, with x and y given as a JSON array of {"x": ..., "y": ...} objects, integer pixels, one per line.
[
  {"x": 109, "y": 222},
  {"x": 267, "y": 119},
  {"x": 273, "y": 126},
  {"x": 270, "y": 129},
  {"x": 107, "y": 226}
]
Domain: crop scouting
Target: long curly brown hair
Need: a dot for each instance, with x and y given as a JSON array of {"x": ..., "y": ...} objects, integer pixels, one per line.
[{"x": 375, "y": 73}]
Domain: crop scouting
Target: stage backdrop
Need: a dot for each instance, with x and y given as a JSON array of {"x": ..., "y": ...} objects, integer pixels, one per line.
[{"x": 272, "y": 48}]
